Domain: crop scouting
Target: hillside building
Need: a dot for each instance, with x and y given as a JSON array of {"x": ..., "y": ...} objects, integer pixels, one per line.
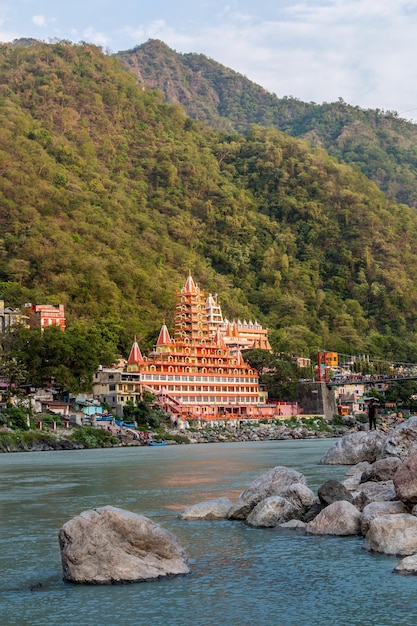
[
  {"x": 10, "y": 317},
  {"x": 44, "y": 315},
  {"x": 115, "y": 387}
]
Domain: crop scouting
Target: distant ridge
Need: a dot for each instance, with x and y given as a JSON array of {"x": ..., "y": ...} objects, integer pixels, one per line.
[{"x": 381, "y": 144}]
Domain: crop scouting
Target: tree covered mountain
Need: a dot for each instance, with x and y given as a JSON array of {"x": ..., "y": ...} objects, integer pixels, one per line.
[
  {"x": 109, "y": 196},
  {"x": 381, "y": 144}
]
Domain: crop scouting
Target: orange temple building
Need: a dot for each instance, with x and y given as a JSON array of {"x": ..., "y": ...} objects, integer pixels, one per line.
[{"x": 194, "y": 374}]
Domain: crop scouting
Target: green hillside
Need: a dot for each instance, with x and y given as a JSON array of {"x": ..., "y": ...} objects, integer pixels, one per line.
[
  {"x": 109, "y": 196},
  {"x": 381, "y": 144}
]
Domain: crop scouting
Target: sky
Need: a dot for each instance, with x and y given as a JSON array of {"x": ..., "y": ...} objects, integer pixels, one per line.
[{"x": 363, "y": 51}]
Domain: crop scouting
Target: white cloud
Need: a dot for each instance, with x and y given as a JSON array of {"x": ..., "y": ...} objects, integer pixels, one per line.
[
  {"x": 39, "y": 20},
  {"x": 100, "y": 39},
  {"x": 355, "y": 49}
]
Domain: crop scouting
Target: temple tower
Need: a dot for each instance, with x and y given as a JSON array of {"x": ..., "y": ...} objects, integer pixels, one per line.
[{"x": 190, "y": 315}]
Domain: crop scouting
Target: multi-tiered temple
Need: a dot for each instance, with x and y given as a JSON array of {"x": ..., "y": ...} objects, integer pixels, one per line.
[{"x": 195, "y": 374}]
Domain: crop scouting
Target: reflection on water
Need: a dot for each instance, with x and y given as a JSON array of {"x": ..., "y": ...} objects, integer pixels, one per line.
[{"x": 240, "y": 575}]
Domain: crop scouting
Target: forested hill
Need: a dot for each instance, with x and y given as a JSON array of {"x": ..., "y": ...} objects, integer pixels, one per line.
[
  {"x": 109, "y": 196},
  {"x": 381, "y": 144}
]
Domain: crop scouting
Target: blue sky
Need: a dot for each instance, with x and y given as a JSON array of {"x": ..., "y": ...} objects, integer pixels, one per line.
[{"x": 316, "y": 50}]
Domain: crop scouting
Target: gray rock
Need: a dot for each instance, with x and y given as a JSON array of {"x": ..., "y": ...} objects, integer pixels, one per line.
[
  {"x": 312, "y": 512},
  {"x": 293, "y": 524},
  {"x": 354, "y": 448},
  {"x": 402, "y": 441},
  {"x": 211, "y": 509},
  {"x": 272, "y": 483},
  {"x": 109, "y": 545},
  {"x": 300, "y": 495},
  {"x": 383, "y": 469},
  {"x": 392, "y": 534},
  {"x": 339, "y": 518},
  {"x": 273, "y": 511},
  {"x": 407, "y": 566},
  {"x": 354, "y": 474},
  {"x": 405, "y": 480},
  {"x": 332, "y": 491},
  {"x": 358, "y": 469},
  {"x": 376, "y": 509},
  {"x": 374, "y": 492}
]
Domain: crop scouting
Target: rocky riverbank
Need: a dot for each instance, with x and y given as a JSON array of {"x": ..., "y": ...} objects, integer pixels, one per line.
[
  {"x": 88, "y": 437},
  {"x": 378, "y": 499}
]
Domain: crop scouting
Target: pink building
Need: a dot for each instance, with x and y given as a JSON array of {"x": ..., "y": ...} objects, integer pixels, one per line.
[{"x": 43, "y": 315}]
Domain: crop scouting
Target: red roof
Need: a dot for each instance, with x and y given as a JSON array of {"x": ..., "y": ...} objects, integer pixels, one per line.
[
  {"x": 135, "y": 355},
  {"x": 164, "y": 339}
]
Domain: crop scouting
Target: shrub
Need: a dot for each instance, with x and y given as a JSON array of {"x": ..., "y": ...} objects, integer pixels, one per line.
[
  {"x": 14, "y": 417},
  {"x": 91, "y": 437}
]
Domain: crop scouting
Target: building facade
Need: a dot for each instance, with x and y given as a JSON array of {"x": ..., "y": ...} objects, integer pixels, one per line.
[
  {"x": 44, "y": 315},
  {"x": 116, "y": 387},
  {"x": 237, "y": 335},
  {"x": 195, "y": 374},
  {"x": 10, "y": 317}
]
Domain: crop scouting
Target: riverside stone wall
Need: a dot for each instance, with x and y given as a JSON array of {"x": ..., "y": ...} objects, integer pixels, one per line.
[{"x": 317, "y": 399}]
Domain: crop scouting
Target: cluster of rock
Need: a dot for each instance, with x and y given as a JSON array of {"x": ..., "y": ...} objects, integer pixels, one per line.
[{"x": 378, "y": 500}]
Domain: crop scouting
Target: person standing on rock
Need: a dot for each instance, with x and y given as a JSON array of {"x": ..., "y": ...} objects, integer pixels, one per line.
[{"x": 372, "y": 413}]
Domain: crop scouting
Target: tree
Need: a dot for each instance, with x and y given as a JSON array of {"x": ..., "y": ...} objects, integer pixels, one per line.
[
  {"x": 279, "y": 373},
  {"x": 14, "y": 371}
]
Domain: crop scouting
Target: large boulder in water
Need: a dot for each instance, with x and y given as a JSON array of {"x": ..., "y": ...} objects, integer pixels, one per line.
[
  {"x": 354, "y": 448},
  {"x": 392, "y": 534},
  {"x": 272, "y": 483},
  {"x": 109, "y": 545},
  {"x": 402, "y": 441},
  {"x": 339, "y": 518}
]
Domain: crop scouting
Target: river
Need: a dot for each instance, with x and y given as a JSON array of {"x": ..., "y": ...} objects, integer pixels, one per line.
[{"x": 239, "y": 575}]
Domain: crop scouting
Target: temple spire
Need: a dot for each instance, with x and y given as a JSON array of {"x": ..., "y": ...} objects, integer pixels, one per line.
[
  {"x": 164, "y": 338},
  {"x": 190, "y": 286},
  {"x": 135, "y": 356},
  {"x": 218, "y": 340}
]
